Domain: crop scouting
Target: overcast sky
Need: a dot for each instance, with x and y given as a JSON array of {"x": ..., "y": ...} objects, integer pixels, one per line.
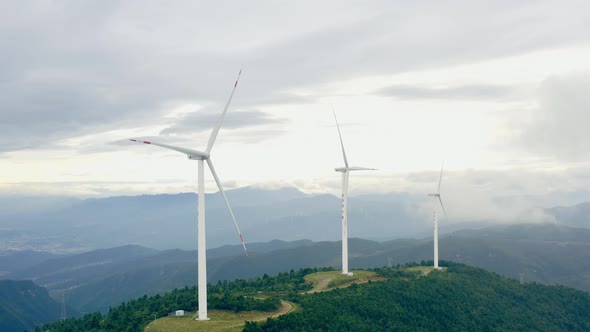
[{"x": 498, "y": 89}]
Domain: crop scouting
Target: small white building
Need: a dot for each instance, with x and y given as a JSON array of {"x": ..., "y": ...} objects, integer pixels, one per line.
[{"x": 179, "y": 313}]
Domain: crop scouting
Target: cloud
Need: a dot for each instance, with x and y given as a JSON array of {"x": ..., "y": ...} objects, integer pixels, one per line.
[
  {"x": 469, "y": 92},
  {"x": 413, "y": 36},
  {"x": 84, "y": 189},
  {"x": 558, "y": 128},
  {"x": 507, "y": 196},
  {"x": 74, "y": 69},
  {"x": 500, "y": 196},
  {"x": 252, "y": 136},
  {"x": 206, "y": 120}
]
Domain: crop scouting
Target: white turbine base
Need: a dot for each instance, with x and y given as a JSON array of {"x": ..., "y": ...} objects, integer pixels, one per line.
[
  {"x": 435, "y": 236},
  {"x": 345, "y": 223},
  {"x": 201, "y": 245}
]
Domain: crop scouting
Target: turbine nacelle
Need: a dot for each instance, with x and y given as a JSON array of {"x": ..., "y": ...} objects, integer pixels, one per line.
[
  {"x": 437, "y": 193},
  {"x": 202, "y": 156}
]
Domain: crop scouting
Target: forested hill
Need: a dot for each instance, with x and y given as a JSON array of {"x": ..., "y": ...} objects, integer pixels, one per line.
[
  {"x": 459, "y": 298},
  {"x": 23, "y": 305}
]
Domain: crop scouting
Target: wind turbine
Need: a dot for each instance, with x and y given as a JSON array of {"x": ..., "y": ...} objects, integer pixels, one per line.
[
  {"x": 345, "y": 170},
  {"x": 436, "y": 200},
  {"x": 201, "y": 157}
]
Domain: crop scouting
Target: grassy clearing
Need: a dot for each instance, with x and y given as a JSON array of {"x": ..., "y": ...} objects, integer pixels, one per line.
[
  {"x": 227, "y": 321},
  {"x": 220, "y": 320},
  {"x": 425, "y": 270},
  {"x": 324, "y": 281}
]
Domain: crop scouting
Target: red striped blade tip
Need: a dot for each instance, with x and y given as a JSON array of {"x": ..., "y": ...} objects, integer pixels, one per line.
[{"x": 144, "y": 142}]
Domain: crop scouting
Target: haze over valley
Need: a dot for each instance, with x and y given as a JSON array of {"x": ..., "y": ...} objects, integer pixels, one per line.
[{"x": 168, "y": 221}]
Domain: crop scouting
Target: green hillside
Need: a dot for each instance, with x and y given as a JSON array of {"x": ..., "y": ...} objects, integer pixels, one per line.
[
  {"x": 460, "y": 298},
  {"x": 256, "y": 294},
  {"x": 24, "y": 305}
]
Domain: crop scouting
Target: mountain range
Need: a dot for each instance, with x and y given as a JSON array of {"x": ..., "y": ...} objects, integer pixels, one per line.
[
  {"x": 545, "y": 253},
  {"x": 169, "y": 221},
  {"x": 59, "y": 243}
]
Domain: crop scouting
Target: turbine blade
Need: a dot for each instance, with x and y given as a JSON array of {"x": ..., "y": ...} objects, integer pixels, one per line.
[
  {"x": 216, "y": 129},
  {"x": 212, "y": 169},
  {"x": 188, "y": 152},
  {"x": 357, "y": 168},
  {"x": 340, "y": 135},
  {"x": 442, "y": 206},
  {"x": 440, "y": 177}
]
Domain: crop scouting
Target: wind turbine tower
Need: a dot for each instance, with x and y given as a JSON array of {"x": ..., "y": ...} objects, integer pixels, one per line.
[
  {"x": 201, "y": 157},
  {"x": 63, "y": 306},
  {"x": 437, "y": 199},
  {"x": 345, "y": 170}
]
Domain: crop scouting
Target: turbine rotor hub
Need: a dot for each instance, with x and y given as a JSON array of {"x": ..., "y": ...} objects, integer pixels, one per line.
[{"x": 204, "y": 156}]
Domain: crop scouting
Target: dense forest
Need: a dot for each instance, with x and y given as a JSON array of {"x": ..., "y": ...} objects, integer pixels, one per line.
[
  {"x": 462, "y": 298},
  {"x": 236, "y": 295},
  {"x": 459, "y": 298}
]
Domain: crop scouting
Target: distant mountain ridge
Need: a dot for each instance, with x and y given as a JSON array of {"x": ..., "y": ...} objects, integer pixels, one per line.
[
  {"x": 135, "y": 271},
  {"x": 12, "y": 260},
  {"x": 574, "y": 216},
  {"x": 545, "y": 253},
  {"x": 169, "y": 220}
]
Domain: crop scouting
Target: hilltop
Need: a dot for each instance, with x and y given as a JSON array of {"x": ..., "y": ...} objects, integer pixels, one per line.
[
  {"x": 405, "y": 299},
  {"x": 463, "y": 298}
]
